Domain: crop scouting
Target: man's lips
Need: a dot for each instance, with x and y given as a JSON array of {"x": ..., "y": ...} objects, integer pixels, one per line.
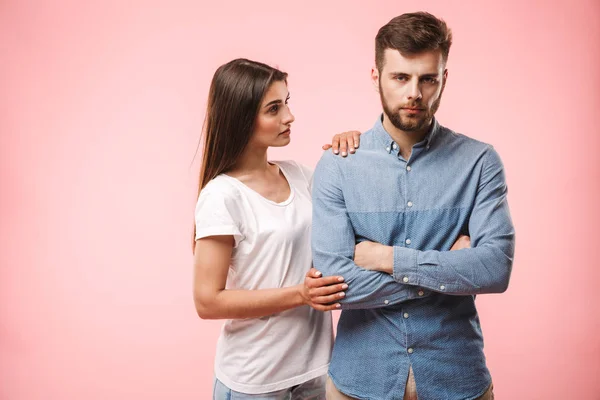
[{"x": 412, "y": 110}]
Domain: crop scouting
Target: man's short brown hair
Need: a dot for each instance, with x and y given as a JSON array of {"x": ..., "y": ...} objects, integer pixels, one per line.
[{"x": 413, "y": 33}]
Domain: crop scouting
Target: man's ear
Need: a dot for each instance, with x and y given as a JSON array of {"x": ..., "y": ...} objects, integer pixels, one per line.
[
  {"x": 445, "y": 79},
  {"x": 375, "y": 78}
]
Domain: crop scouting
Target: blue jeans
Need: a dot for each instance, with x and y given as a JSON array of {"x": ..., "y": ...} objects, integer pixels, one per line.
[{"x": 311, "y": 390}]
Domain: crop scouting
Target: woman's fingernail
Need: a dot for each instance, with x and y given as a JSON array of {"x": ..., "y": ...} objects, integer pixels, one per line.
[
  {"x": 338, "y": 305},
  {"x": 343, "y": 154},
  {"x": 318, "y": 273},
  {"x": 344, "y": 286},
  {"x": 335, "y": 152},
  {"x": 342, "y": 294},
  {"x": 341, "y": 279}
]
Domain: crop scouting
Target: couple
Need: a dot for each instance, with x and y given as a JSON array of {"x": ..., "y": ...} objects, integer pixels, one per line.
[{"x": 404, "y": 233}]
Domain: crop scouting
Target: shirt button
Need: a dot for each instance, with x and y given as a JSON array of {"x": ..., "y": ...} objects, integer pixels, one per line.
[
  {"x": 408, "y": 168},
  {"x": 394, "y": 146},
  {"x": 410, "y": 204},
  {"x": 410, "y": 350},
  {"x": 442, "y": 287},
  {"x": 421, "y": 293},
  {"x": 387, "y": 149},
  {"x": 407, "y": 241},
  {"x": 405, "y": 279},
  {"x": 386, "y": 302},
  {"x": 405, "y": 315}
]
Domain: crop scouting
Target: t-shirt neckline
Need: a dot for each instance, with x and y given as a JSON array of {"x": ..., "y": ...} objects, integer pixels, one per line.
[{"x": 285, "y": 175}]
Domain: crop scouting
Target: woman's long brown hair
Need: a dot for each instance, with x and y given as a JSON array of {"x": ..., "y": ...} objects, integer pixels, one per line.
[{"x": 236, "y": 92}]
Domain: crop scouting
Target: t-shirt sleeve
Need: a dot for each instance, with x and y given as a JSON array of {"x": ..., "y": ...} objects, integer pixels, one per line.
[{"x": 217, "y": 214}]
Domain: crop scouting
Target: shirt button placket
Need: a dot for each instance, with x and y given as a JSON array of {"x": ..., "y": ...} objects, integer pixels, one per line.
[{"x": 408, "y": 205}]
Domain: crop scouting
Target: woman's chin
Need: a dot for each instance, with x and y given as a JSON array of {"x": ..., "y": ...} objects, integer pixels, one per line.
[{"x": 282, "y": 140}]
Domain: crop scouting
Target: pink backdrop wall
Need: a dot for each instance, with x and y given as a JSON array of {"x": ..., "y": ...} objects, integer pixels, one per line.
[{"x": 101, "y": 105}]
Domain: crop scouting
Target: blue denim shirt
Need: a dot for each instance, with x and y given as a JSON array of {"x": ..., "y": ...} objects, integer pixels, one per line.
[{"x": 424, "y": 314}]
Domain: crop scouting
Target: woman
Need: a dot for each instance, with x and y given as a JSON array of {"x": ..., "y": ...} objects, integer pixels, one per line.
[{"x": 252, "y": 244}]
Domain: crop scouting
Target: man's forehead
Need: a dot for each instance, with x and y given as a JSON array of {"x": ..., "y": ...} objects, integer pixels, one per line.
[{"x": 428, "y": 60}]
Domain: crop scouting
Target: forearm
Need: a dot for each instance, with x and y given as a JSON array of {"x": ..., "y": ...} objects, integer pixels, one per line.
[
  {"x": 366, "y": 289},
  {"x": 485, "y": 269},
  {"x": 239, "y": 304}
]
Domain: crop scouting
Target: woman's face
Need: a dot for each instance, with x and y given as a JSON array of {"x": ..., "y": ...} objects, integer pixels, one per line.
[{"x": 274, "y": 118}]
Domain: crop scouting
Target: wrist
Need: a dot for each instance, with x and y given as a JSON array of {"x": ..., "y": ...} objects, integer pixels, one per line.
[
  {"x": 386, "y": 259},
  {"x": 300, "y": 295}
]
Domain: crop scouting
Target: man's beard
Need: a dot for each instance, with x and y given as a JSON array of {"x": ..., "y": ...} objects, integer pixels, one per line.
[{"x": 410, "y": 123}]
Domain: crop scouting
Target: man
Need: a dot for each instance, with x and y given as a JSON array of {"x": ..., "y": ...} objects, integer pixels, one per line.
[{"x": 409, "y": 325}]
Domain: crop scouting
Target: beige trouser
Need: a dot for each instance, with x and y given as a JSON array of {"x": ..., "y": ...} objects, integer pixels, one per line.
[{"x": 409, "y": 394}]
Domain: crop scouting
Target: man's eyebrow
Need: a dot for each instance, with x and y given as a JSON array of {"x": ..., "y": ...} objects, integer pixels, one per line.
[{"x": 428, "y": 75}]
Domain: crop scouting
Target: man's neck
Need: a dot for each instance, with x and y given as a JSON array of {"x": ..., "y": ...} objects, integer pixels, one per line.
[{"x": 405, "y": 140}]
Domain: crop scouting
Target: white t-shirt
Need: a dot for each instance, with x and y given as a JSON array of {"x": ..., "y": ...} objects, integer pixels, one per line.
[{"x": 271, "y": 250}]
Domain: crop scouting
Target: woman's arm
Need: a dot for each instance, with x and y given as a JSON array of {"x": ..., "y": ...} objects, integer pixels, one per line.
[{"x": 212, "y": 257}]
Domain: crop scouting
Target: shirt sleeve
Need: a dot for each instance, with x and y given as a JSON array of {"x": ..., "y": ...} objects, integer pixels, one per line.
[
  {"x": 217, "y": 214},
  {"x": 486, "y": 266},
  {"x": 333, "y": 241}
]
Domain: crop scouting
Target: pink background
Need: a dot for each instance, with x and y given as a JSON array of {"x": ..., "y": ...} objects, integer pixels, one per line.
[{"x": 101, "y": 105}]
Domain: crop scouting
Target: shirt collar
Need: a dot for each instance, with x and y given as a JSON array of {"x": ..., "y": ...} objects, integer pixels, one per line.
[{"x": 387, "y": 143}]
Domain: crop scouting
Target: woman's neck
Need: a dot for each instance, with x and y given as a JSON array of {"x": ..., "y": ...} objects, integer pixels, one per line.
[{"x": 252, "y": 162}]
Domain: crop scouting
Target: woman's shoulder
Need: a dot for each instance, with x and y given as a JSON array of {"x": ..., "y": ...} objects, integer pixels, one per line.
[
  {"x": 221, "y": 186},
  {"x": 296, "y": 169}
]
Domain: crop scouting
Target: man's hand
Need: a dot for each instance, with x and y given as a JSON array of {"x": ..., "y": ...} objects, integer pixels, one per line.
[
  {"x": 463, "y": 242},
  {"x": 343, "y": 141},
  {"x": 373, "y": 256},
  {"x": 322, "y": 293}
]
